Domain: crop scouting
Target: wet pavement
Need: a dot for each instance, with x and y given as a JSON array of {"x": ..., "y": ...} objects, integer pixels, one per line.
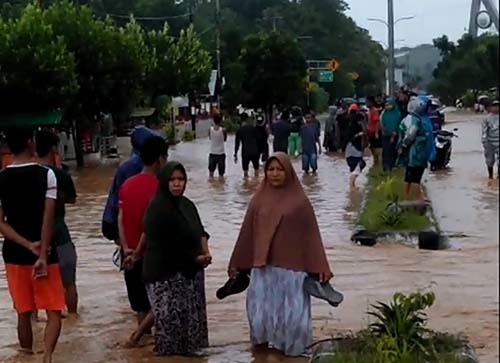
[{"x": 465, "y": 278}]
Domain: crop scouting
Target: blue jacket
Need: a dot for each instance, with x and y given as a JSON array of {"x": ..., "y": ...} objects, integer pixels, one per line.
[{"x": 130, "y": 167}]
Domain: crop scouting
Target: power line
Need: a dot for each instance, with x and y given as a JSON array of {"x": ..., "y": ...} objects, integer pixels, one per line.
[{"x": 146, "y": 18}]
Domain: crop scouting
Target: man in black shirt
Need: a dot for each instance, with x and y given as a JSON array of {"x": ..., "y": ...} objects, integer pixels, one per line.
[
  {"x": 28, "y": 193},
  {"x": 47, "y": 145},
  {"x": 247, "y": 137}
]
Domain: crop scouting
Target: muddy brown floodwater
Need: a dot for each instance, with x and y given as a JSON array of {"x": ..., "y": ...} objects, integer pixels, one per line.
[{"x": 465, "y": 278}]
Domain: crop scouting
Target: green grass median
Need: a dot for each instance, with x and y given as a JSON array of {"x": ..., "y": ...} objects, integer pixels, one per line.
[{"x": 383, "y": 189}]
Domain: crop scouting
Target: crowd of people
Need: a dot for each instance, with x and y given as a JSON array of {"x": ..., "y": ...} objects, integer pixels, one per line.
[{"x": 164, "y": 247}]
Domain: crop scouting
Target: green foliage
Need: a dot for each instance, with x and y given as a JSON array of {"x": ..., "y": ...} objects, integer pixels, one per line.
[
  {"x": 402, "y": 325},
  {"x": 171, "y": 133},
  {"x": 188, "y": 135},
  {"x": 275, "y": 68},
  {"x": 470, "y": 64},
  {"x": 231, "y": 125},
  {"x": 37, "y": 70},
  {"x": 383, "y": 190},
  {"x": 319, "y": 99},
  {"x": 398, "y": 335}
]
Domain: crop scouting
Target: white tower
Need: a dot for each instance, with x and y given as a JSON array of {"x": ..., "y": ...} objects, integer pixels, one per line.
[{"x": 482, "y": 19}]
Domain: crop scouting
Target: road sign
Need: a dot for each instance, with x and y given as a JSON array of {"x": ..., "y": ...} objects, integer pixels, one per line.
[
  {"x": 354, "y": 75},
  {"x": 325, "y": 76},
  {"x": 333, "y": 65}
]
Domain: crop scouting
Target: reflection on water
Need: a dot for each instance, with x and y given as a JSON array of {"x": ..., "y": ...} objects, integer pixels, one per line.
[{"x": 465, "y": 279}]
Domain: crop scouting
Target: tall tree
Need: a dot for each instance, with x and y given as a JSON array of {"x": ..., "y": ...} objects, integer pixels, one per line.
[
  {"x": 275, "y": 70},
  {"x": 470, "y": 64}
]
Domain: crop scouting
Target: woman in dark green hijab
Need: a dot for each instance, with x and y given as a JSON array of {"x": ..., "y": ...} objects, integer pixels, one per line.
[{"x": 176, "y": 255}]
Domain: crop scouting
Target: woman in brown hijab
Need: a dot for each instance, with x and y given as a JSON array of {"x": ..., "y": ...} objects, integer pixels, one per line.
[{"x": 280, "y": 243}]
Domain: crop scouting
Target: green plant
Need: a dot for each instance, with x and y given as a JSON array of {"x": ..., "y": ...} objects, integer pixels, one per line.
[
  {"x": 388, "y": 188},
  {"x": 170, "y": 132},
  {"x": 188, "y": 135},
  {"x": 401, "y": 325},
  {"x": 231, "y": 125},
  {"x": 392, "y": 216}
]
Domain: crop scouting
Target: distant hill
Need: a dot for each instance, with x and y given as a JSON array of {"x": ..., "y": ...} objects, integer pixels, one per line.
[{"x": 419, "y": 62}]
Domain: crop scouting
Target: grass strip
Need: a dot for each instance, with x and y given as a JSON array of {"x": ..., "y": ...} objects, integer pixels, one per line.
[{"x": 382, "y": 189}]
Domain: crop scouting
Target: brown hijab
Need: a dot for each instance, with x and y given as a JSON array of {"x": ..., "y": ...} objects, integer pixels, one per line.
[{"x": 280, "y": 228}]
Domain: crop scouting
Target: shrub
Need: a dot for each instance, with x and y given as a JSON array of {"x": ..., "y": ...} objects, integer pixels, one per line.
[{"x": 188, "y": 136}]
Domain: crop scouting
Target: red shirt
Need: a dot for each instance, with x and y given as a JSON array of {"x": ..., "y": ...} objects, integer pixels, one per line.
[
  {"x": 134, "y": 197},
  {"x": 373, "y": 120}
]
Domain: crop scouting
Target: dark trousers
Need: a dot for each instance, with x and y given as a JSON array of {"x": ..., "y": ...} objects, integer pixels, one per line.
[{"x": 389, "y": 152}]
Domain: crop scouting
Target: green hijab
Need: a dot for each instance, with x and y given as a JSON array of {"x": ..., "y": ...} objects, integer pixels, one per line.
[
  {"x": 390, "y": 118},
  {"x": 173, "y": 231}
]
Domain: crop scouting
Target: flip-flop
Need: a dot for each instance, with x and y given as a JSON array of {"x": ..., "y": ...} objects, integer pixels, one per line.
[
  {"x": 323, "y": 291},
  {"x": 234, "y": 286}
]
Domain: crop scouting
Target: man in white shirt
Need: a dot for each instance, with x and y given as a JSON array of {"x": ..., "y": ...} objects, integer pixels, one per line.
[{"x": 217, "y": 157}]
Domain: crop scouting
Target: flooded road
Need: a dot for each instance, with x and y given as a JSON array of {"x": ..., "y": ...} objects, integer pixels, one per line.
[{"x": 464, "y": 278}]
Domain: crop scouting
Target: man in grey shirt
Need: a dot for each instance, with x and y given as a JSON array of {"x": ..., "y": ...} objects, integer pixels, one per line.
[{"x": 490, "y": 138}]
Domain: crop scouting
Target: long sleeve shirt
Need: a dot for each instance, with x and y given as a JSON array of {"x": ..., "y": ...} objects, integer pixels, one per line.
[{"x": 490, "y": 130}]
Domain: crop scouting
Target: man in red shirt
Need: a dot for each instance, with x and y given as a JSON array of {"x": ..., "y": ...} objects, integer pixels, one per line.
[{"x": 134, "y": 197}]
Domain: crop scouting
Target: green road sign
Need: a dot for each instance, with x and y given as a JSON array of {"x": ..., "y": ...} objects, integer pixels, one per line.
[{"x": 325, "y": 76}]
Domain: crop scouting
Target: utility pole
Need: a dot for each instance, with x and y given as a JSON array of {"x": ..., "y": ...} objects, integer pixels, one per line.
[
  {"x": 275, "y": 21},
  {"x": 390, "y": 42},
  {"x": 219, "y": 67},
  {"x": 191, "y": 94}
]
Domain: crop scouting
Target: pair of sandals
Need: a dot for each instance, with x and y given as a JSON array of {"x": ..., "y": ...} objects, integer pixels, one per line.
[{"x": 312, "y": 285}]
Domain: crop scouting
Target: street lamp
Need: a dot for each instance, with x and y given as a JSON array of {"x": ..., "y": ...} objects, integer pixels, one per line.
[{"x": 390, "y": 27}]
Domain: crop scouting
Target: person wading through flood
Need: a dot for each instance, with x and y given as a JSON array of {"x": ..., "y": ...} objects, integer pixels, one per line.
[
  {"x": 296, "y": 123},
  {"x": 176, "y": 255},
  {"x": 28, "y": 194},
  {"x": 281, "y": 132},
  {"x": 415, "y": 147},
  {"x": 128, "y": 168},
  {"x": 47, "y": 146},
  {"x": 390, "y": 124},
  {"x": 356, "y": 136},
  {"x": 343, "y": 125},
  {"x": 374, "y": 130},
  {"x": 246, "y": 136},
  {"x": 280, "y": 243},
  {"x": 311, "y": 145},
  {"x": 490, "y": 139},
  {"x": 262, "y": 137},
  {"x": 134, "y": 197},
  {"x": 329, "y": 142},
  {"x": 217, "y": 158}
]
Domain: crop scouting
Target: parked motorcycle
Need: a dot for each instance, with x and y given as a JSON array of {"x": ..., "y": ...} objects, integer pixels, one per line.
[{"x": 444, "y": 143}]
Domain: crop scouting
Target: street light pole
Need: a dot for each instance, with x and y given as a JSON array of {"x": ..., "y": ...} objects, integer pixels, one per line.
[
  {"x": 390, "y": 23},
  {"x": 390, "y": 42}
]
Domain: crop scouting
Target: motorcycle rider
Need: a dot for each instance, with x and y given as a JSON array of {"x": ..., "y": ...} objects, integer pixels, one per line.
[{"x": 490, "y": 138}]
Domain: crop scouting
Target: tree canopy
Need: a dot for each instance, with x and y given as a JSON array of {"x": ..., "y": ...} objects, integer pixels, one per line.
[{"x": 469, "y": 64}]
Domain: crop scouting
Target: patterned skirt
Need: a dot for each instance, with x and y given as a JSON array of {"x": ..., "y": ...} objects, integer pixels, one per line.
[
  {"x": 179, "y": 306},
  {"x": 279, "y": 310}
]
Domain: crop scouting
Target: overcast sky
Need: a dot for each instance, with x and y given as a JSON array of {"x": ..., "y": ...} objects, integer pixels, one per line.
[{"x": 433, "y": 18}]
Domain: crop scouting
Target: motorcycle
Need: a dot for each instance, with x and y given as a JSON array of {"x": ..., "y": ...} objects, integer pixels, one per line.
[{"x": 443, "y": 139}]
